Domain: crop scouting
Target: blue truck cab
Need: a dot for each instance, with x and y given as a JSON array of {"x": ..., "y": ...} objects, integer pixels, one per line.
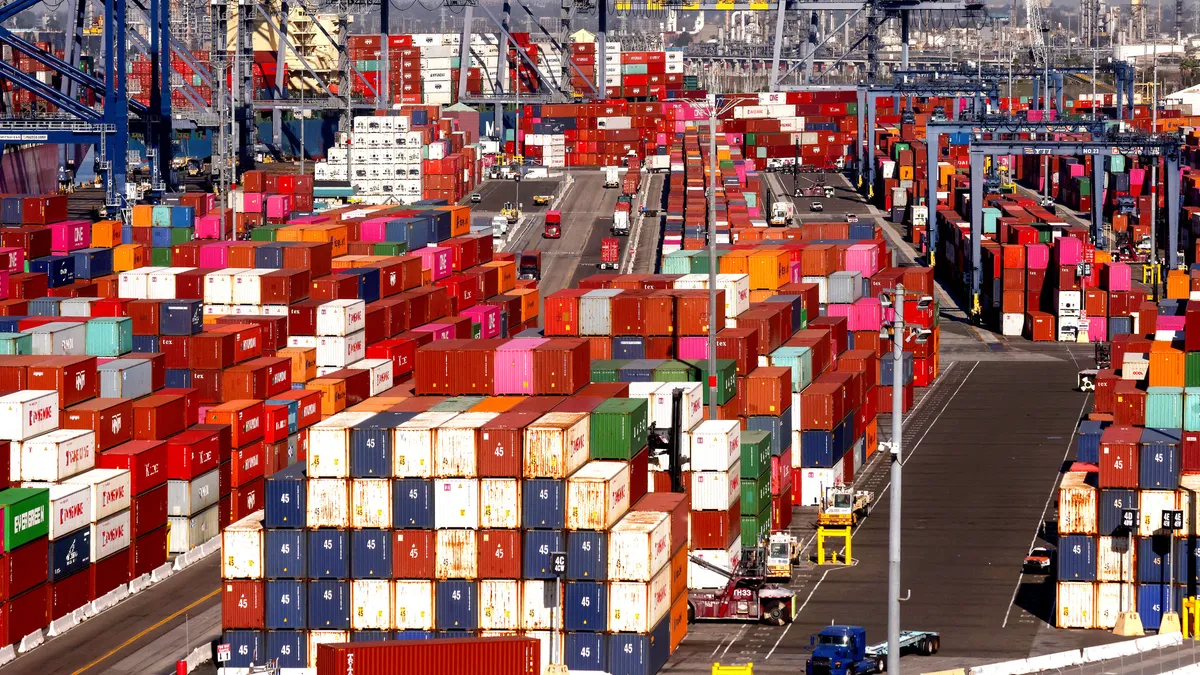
[{"x": 840, "y": 650}]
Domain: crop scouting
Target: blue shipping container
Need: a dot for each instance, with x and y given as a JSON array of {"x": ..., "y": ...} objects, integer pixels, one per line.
[
  {"x": 93, "y": 263},
  {"x": 59, "y": 269},
  {"x": 1152, "y": 559},
  {"x": 1077, "y": 558},
  {"x": 1112, "y": 503},
  {"x": 1151, "y": 598},
  {"x": 180, "y": 317},
  {"x": 286, "y": 554},
  {"x": 412, "y": 503},
  {"x": 328, "y": 605},
  {"x": 586, "y": 651},
  {"x": 177, "y": 378},
  {"x": 628, "y": 348},
  {"x": 412, "y": 634},
  {"x": 371, "y": 445},
  {"x": 585, "y": 605},
  {"x": 268, "y": 257},
  {"x": 887, "y": 365},
  {"x": 146, "y": 344},
  {"x": 286, "y": 604},
  {"x": 780, "y": 428},
  {"x": 371, "y": 554},
  {"x": 289, "y": 647},
  {"x": 816, "y": 450},
  {"x": 286, "y": 498},
  {"x": 539, "y": 544},
  {"x": 328, "y": 554},
  {"x": 587, "y": 555},
  {"x": 1185, "y": 565},
  {"x": 797, "y": 303},
  {"x": 371, "y": 635},
  {"x": 45, "y": 307},
  {"x": 246, "y": 648},
  {"x": 1158, "y": 468},
  {"x": 1087, "y": 448},
  {"x": 368, "y": 281},
  {"x": 455, "y": 605},
  {"x": 160, "y": 237},
  {"x": 544, "y": 504},
  {"x": 70, "y": 553},
  {"x": 638, "y": 654}
]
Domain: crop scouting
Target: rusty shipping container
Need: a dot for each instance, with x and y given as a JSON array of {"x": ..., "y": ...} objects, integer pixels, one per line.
[{"x": 456, "y": 656}]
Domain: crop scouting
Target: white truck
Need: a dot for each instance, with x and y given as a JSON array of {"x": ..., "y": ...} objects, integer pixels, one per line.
[
  {"x": 499, "y": 227},
  {"x": 620, "y": 226},
  {"x": 658, "y": 163},
  {"x": 782, "y": 213},
  {"x": 612, "y": 178}
]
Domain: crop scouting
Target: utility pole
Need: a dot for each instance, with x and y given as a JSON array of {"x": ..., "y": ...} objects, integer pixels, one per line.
[
  {"x": 715, "y": 313},
  {"x": 893, "y": 622},
  {"x": 1154, "y": 259}
]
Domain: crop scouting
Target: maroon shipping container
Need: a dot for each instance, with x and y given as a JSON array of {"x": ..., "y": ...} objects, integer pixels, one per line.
[
  {"x": 819, "y": 341},
  {"x": 284, "y": 287},
  {"x": 73, "y": 377},
  {"x": 500, "y": 554},
  {"x": 1190, "y": 460},
  {"x": 145, "y": 460},
  {"x": 208, "y": 385},
  {"x": 192, "y": 453},
  {"x": 676, "y": 505},
  {"x": 223, "y": 511},
  {"x": 358, "y": 384},
  {"x": 148, "y": 511},
  {"x": 158, "y": 416},
  {"x": 212, "y": 351},
  {"x": 639, "y": 475},
  {"x": 302, "y": 317},
  {"x": 606, "y": 390},
  {"x": 1129, "y": 403},
  {"x": 144, "y": 314},
  {"x": 716, "y": 529},
  {"x": 148, "y": 551},
  {"x": 24, "y": 567},
  {"x": 739, "y": 344},
  {"x": 822, "y": 406},
  {"x": 246, "y": 499},
  {"x": 561, "y": 367},
  {"x": 69, "y": 594},
  {"x": 175, "y": 350},
  {"x": 247, "y": 463},
  {"x": 501, "y": 444},
  {"x": 768, "y": 391},
  {"x": 191, "y": 400},
  {"x": 241, "y": 604},
  {"x": 26, "y": 613},
  {"x": 1119, "y": 457},
  {"x": 838, "y": 328},
  {"x": 455, "y": 656},
  {"x": 110, "y": 418},
  {"x": 1106, "y": 382},
  {"x": 413, "y": 554}
]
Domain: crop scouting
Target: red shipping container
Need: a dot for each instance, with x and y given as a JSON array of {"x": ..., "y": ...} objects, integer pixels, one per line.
[
  {"x": 501, "y": 444},
  {"x": 192, "y": 453},
  {"x": 148, "y": 511},
  {"x": 1190, "y": 460},
  {"x": 25, "y": 614},
  {"x": 241, "y": 604},
  {"x": 213, "y": 350},
  {"x": 500, "y": 554},
  {"x": 244, "y": 417},
  {"x": 73, "y": 377},
  {"x": 781, "y": 510},
  {"x": 145, "y": 460},
  {"x": 110, "y": 418},
  {"x": 822, "y": 406},
  {"x": 1130, "y": 403},
  {"x": 148, "y": 552},
  {"x": 1119, "y": 457},
  {"x": 248, "y": 340},
  {"x": 413, "y": 554},
  {"x": 401, "y": 351},
  {"x": 309, "y": 405},
  {"x": 454, "y": 656},
  {"x": 247, "y": 463},
  {"x": 158, "y": 416},
  {"x": 27, "y": 566},
  {"x": 561, "y": 366},
  {"x": 246, "y": 499},
  {"x": 69, "y": 594},
  {"x": 561, "y": 312},
  {"x": 716, "y": 529},
  {"x": 768, "y": 391}
]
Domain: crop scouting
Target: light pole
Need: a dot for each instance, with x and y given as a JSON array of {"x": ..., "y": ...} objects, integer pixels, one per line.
[{"x": 893, "y": 621}]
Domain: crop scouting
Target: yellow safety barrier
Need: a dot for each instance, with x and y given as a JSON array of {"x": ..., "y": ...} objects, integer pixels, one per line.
[
  {"x": 828, "y": 531},
  {"x": 719, "y": 669},
  {"x": 1191, "y": 617}
]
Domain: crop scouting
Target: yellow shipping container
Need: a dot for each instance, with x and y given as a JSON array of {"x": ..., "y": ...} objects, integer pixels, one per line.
[
  {"x": 1166, "y": 365},
  {"x": 769, "y": 269}
]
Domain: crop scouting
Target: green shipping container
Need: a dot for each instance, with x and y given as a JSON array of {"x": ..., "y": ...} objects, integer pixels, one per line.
[
  {"x": 1085, "y": 187},
  {"x": 161, "y": 256},
  {"x": 756, "y": 528},
  {"x": 618, "y": 428},
  {"x": 1191, "y": 409},
  {"x": 756, "y": 493},
  {"x": 1191, "y": 369},
  {"x": 26, "y": 515},
  {"x": 457, "y": 404},
  {"x": 1164, "y": 407},
  {"x": 181, "y": 235},
  {"x": 263, "y": 233},
  {"x": 676, "y": 371},
  {"x": 109, "y": 337},
  {"x": 390, "y": 248},
  {"x": 700, "y": 262},
  {"x": 1116, "y": 164},
  {"x": 852, "y": 108},
  {"x": 799, "y": 359},
  {"x": 756, "y": 454},
  {"x": 16, "y": 344},
  {"x": 726, "y": 379},
  {"x": 678, "y": 262},
  {"x": 605, "y": 370}
]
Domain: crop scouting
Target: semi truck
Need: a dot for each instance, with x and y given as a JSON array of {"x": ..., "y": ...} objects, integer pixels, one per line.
[
  {"x": 783, "y": 212},
  {"x": 612, "y": 178},
  {"x": 843, "y": 650}
]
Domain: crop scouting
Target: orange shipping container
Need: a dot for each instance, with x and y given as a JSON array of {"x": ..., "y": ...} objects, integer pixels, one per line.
[
  {"x": 106, "y": 233},
  {"x": 333, "y": 394},
  {"x": 1166, "y": 365},
  {"x": 769, "y": 269}
]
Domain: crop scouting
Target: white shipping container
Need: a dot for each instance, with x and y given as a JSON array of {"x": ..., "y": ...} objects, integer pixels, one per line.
[
  {"x": 701, "y": 577},
  {"x": 371, "y": 503},
  {"x": 59, "y": 339},
  {"x": 456, "y": 503},
  {"x": 647, "y": 390},
  {"x": 1075, "y": 604},
  {"x": 1114, "y": 559},
  {"x": 341, "y": 351},
  {"x": 1111, "y": 600},
  {"x": 329, "y": 445},
  {"x": 635, "y": 606},
  {"x": 27, "y": 413},
  {"x": 814, "y": 483},
  {"x": 247, "y": 286},
  {"x": 500, "y": 604},
  {"x": 187, "y": 532},
  {"x": 412, "y": 445},
  {"x": 340, "y": 318},
  {"x": 716, "y": 490},
  {"x": 500, "y": 503},
  {"x": 822, "y": 287},
  {"x": 639, "y": 546},
  {"x": 371, "y": 604},
  {"x": 455, "y": 444},
  {"x": 661, "y": 401},
  {"x": 323, "y": 637},
  {"x": 70, "y": 506},
  {"x": 110, "y": 490},
  {"x": 328, "y": 502},
  {"x": 161, "y": 285},
  {"x": 556, "y": 445},
  {"x": 716, "y": 445},
  {"x": 381, "y": 374},
  {"x": 1153, "y": 503},
  {"x": 534, "y": 613},
  {"x": 413, "y": 609},
  {"x": 1077, "y": 505},
  {"x": 597, "y": 495},
  {"x": 57, "y": 455},
  {"x": 218, "y": 285},
  {"x": 242, "y": 548},
  {"x": 457, "y": 554},
  {"x": 737, "y": 293},
  {"x": 135, "y": 284},
  {"x": 110, "y": 535}
]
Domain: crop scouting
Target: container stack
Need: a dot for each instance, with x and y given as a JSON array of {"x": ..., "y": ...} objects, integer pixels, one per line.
[{"x": 716, "y": 491}]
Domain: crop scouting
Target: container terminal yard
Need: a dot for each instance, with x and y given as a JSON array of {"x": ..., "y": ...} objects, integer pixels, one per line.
[{"x": 825, "y": 337}]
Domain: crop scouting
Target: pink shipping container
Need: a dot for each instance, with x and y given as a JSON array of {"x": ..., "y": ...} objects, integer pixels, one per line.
[
  {"x": 373, "y": 230},
  {"x": 862, "y": 258},
  {"x": 513, "y": 366},
  {"x": 865, "y": 314},
  {"x": 279, "y": 206},
  {"x": 4, "y": 285},
  {"x": 252, "y": 202},
  {"x": 1098, "y": 328},
  {"x": 1069, "y": 250},
  {"x": 1169, "y": 323},
  {"x": 796, "y": 272},
  {"x": 1037, "y": 256},
  {"x": 1119, "y": 277},
  {"x": 441, "y": 331},
  {"x": 208, "y": 227},
  {"x": 310, "y": 220},
  {"x": 488, "y": 318},
  {"x": 215, "y": 256},
  {"x": 16, "y": 258},
  {"x": 436, "y": 259},
  {"x": 693, "y": 347},
  {"x": 70, "y": 235}
]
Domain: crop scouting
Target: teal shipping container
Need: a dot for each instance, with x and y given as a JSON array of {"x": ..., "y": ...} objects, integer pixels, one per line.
[
  {"x": 1191, "y": 409},
  {"x": 991, "y": 218},
  {"x": 1164, "y": 407},
  {"x": 109, "y": 336},
  {"x": 799, "y": 359},
  {"x": 678, "y": 262},
  {"x": 635, "y": 68},
  {"x": 161, "y": 216},
  {"x": 16, "y": 344}
]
